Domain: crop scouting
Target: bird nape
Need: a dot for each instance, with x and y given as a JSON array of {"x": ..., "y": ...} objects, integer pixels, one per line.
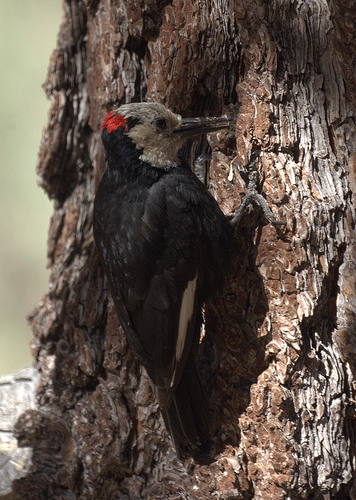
[{"x": 165, "y": 247}]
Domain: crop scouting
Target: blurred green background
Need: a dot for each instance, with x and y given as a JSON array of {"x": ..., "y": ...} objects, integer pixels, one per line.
[{"x": 28, "y": 34}]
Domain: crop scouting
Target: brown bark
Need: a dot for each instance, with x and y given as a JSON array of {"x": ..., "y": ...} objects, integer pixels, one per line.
[{"x": 278, "y": 357}]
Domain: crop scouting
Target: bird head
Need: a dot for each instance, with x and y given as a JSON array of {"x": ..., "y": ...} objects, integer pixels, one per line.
[{"x": 156, "y": 133}]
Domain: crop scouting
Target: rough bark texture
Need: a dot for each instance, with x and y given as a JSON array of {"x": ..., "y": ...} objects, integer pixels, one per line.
[
  {"x": 278, "y": 358},
  {"x": 17, "y": 395}
]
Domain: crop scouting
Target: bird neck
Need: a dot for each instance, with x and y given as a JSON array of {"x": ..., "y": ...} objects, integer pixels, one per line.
[{"x": 125, "y": 166}]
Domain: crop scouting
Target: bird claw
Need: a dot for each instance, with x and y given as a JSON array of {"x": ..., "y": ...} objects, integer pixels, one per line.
[
  {"x": 200, "y": 168},
  {"x": 252, "y": 196}
]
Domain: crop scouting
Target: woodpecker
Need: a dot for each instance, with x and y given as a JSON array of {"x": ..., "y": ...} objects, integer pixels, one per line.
[{"x": 165, "y": 247}]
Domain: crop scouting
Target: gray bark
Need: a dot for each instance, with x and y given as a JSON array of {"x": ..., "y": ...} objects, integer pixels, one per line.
[{"x": 278, "y": 358}]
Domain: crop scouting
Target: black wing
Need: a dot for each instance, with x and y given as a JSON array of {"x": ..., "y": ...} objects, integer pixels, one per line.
[
  {"x": 165, "y": 248},
  {"x": 149, "y": 246}
]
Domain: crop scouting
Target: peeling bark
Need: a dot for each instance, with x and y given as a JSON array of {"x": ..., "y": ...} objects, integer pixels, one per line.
[{"x": 278, "y": 357}]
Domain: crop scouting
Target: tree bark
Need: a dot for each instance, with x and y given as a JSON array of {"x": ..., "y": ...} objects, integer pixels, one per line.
[{"x": 278, "y": 357}]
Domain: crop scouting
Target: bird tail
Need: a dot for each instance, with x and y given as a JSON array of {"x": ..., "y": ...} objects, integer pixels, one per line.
[{"x": 188, "y": 414}]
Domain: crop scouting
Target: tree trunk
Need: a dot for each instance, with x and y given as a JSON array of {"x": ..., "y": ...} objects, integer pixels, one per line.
[{"x": 278, "y": 357}]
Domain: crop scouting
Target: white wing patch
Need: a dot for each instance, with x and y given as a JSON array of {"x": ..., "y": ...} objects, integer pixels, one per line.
[{"x": 185, "y": 315}]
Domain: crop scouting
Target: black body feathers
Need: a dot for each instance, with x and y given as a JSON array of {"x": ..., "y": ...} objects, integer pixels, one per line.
[{"x": 165, "y": 247}]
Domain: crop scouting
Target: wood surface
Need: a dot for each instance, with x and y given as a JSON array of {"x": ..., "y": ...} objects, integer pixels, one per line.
[{"x": 278, "y": 357}]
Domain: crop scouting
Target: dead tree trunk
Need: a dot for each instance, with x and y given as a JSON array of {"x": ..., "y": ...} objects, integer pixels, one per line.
[{"x": 278, "y": 358}]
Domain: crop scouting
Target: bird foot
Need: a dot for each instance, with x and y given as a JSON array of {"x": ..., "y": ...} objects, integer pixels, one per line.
[
  {"x": 252, "y": 196},
  {"x": 200, "y": 167}
]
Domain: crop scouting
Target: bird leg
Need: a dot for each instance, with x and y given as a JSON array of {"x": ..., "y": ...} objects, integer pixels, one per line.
[
  {"x": 252, "y": 196},
  {"x": 200, "y": 169}
]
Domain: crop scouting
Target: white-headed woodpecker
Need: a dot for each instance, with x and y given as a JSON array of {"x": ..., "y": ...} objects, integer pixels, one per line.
[{"x": 165, "y": 246}]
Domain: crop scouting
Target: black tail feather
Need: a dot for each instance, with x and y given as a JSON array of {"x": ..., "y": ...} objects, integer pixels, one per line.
[{"x": 188, "y": 415}]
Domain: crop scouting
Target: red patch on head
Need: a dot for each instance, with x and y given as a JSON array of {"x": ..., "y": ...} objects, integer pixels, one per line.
[{"x": 113, "y": 121}]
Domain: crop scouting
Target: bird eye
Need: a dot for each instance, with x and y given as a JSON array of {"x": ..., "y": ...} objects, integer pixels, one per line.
[{"x": 160, "y": 123}]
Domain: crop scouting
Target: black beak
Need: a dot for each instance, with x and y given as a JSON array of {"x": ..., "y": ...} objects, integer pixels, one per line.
[{"x": 189, "y": 127}]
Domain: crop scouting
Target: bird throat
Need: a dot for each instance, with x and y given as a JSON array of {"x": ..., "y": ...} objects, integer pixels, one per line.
[{"x": 159, "y": 151}]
